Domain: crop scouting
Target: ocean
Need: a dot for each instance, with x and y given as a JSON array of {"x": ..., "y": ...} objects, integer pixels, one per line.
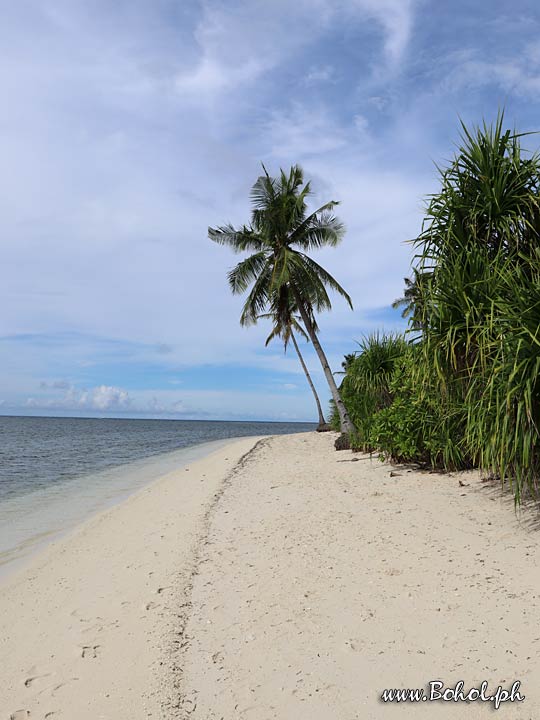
[{"x": 56, "y": 472}]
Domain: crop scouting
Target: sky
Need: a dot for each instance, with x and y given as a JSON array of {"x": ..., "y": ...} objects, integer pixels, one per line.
[{"x": 128, "y": 128}]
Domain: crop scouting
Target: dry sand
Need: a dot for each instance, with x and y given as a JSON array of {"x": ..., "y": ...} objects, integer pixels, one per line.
[
  {"x": 87, "y": 631},
  {"x": 297, "y": 586}
]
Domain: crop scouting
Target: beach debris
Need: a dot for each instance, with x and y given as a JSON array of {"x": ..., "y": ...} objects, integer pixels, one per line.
[
  {"x": 394, "y": 474},
  {"x": 462, "y": 484},
  {"x": 217, "y": 657},
  {"x": 343, "y": 442}
]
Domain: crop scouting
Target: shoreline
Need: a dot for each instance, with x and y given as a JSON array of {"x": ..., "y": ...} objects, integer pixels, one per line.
[
  {"x": 84, "y": 624},
  {"x": 82, "y": 498},
  {"x": 277, "y": 578}
]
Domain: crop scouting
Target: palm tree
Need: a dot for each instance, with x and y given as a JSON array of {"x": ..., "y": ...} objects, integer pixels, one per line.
[
  {"x": 279, "y": 235},
  {"x": 412, "y": 299},
  {"x": 407, "y": 300},
  {"x": 284, "y": 322}
]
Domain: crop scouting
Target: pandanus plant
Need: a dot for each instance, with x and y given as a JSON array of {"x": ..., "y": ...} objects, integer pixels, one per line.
[{"x": 480, "y": 311}]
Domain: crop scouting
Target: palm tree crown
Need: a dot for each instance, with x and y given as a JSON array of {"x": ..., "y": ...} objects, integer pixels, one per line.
[{"x": 280, "y": 235}]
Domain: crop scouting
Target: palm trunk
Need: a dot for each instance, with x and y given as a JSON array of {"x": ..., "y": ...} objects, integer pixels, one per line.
[
  {"x": 345, "y": 420},
  {"x": 322, "y": 421}
]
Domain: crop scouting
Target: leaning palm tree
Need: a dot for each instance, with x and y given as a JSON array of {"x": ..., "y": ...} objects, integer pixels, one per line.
[
  {"x": 280, "y": 235},
  {"x": 285, "y": 324}
]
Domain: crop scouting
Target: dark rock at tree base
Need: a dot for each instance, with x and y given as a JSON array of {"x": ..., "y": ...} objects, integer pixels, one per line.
[
  {"x": 343, "y": 442},
  {"x": 324, "y": 427}
]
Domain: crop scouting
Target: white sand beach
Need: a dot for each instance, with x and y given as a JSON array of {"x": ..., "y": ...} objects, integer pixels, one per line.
[
  {"x": 298, "y": 583},
  {"x": 87, "y": 629}
]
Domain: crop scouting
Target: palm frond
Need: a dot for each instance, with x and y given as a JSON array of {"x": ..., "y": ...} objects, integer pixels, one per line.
[
  {"x": 239, "y": 240},
  {"x": 321, "y": 277},
  {"x": 246, "y": 272}
]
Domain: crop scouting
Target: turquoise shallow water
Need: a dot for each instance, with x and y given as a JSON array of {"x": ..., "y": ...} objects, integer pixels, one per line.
[{"x": 56, "y": 472}]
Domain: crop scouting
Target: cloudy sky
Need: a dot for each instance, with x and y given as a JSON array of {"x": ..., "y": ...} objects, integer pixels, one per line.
[{"x": 128, "y": 127}]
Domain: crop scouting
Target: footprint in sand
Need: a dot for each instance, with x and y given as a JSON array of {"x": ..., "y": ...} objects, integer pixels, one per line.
[
  {"x": 90, "y": 651},
  {"x": 77, "y": 615},
  {"x": 19, "y": 715},
  {"x": 28, "y": 682},
  {"x": 99, "y": 626},
  {"x": 58, "y": 687}
]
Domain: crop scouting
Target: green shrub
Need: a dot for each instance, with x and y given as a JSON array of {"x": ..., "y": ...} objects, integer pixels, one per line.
[
  {"x": 423, "y": 424},
  {"x": 366, "y": 387}
]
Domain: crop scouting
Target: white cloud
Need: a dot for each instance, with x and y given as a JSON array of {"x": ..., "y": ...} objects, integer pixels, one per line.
[
  {"x": 239, "y": 42},
  {"x": 302, "y": 132},
  {"x": 216, "y": 404},
  {"x": 103, "y": 398},
  {"x": 473, "y": 68},
  {"x": 396, "y": 19},
  {"x": 211, "y": 76}
]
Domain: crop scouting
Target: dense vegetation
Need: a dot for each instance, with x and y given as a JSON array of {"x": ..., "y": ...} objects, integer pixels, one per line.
[{"x": 462, "y": 387}]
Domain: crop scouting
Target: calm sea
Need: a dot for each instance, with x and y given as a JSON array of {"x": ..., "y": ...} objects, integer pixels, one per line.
[{"x": 55, "y": 472}]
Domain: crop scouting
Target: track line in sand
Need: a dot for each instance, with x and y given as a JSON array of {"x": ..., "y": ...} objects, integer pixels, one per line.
[
  {"x": 178, "y": 701},
  {"x": 85, "y": 627}
]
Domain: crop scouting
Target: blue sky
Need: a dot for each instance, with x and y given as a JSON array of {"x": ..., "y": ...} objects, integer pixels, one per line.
[{"x": 129, "y": 127}]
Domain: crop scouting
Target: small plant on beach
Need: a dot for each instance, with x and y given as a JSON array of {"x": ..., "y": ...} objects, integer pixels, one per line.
[{"x": 280, "y": 236}]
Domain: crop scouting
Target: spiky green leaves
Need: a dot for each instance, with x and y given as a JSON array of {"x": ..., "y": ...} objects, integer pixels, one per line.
[{"x": 480, "y": 310}]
